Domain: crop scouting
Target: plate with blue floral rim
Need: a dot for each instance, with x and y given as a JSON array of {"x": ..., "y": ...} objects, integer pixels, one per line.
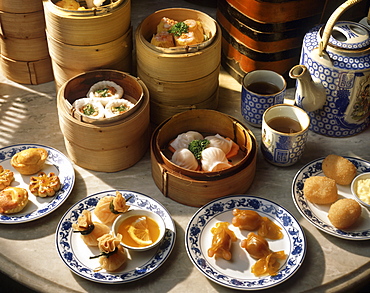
[
  {"x": 317, "y": 215},
  {"x": 38, "y": 207},
  {"x": 236, "y": 273},
  {"x": 76, "y": 254}
]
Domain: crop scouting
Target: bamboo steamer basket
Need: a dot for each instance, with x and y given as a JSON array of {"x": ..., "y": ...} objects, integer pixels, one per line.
[
  {"x": 108, "y": 147},
  {"x": 160, "y": 112},
  {"x": 25, "y": 49},
  {"x": 21, "y": 6},
  {"x": 178, "y": 77},
  {"x": 88, "y": 27},
  {"x": 29, "y": 25},
  {"x": 196, "y": 188},
  {"x": 27, "y": 72}
]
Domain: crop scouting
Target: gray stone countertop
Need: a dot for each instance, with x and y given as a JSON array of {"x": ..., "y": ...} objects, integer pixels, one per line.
[{"x": 28, "y": 114}]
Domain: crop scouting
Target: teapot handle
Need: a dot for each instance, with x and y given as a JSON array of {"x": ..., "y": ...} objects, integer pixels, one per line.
[{"x": 331, "y": 22}]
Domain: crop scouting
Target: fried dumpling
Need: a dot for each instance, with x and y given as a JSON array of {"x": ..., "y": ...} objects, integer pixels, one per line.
[
  {"x": 269, "y": 229},
  {"x": 112, "y": 254},
  {"x": 6, "y": 177},
  {"x": 90, "y": 231},
  {"x": 110, "y": 207},
  {"x": 13, "y": 200},
  {"x": 220, "y": 142},
  {"x": 246, "y": 219},
  {"x": 256, "y": 245},
  {"x": 268, "y": 264},
  {"x": 182, "y": 140},
  {"x": 214, "y": 159},
  {"x": 29, "y": 161},
  {"x": 221, "y": 241},
  {"x": 185, "y": 159}
]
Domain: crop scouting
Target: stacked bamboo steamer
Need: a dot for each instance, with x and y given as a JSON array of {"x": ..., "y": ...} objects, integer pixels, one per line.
[
  {"x": 111, "y": 144},
  {"x": 196, "y": 188},
  {"x": 24, "y": 50},
  {"x": 89, "y": 39},
  {"x": 182, "y": 78}
]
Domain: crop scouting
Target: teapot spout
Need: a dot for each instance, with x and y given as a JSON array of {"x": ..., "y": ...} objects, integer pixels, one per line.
[{"x": 310, "y": 95}]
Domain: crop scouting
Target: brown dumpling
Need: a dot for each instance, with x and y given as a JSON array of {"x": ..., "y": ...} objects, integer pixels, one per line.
[
  {"x": 344, "y": 213},
  {"x": 340, "y": 169},
  {"x": 320, "y": 190},
  {"x": 13, "y": 200},
  {"x": 29, "y": 161}
]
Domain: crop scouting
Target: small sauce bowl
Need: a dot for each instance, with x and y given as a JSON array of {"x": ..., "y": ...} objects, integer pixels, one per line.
[
  {"x": 354, "y": 187},
  {"x": 156, "y": 227}
]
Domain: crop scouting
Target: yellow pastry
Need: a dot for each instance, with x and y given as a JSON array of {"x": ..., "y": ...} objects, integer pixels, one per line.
[
  {"x": 44, "y": 185},
  {"x": 13, "y": 200},
  {"x": 6, "y": 177},
  {"x": 29, "y": 161}
]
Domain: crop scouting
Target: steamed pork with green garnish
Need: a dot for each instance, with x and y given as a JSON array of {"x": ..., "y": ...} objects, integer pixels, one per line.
[
  {"x": 110, "y": 207},
  {"x": 90, "y": 108},
  {"x": 117, "y": 107},
  {"x": 105, "y": 91}
]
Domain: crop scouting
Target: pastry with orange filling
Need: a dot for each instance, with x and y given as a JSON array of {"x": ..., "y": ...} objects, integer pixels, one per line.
[
  {"x": 29, "y": 161},
  {"x": 6, "y": 177},
  {"x": 13, "y": 200},
  {"x": 44, "y": 185}
]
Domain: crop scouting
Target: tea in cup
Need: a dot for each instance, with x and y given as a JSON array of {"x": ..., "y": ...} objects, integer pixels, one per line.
[
  {"x": 284, "y": 134},
  {"x": 260, "y": 90}
]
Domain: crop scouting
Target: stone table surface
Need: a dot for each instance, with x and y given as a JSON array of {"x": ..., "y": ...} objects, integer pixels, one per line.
[{"x": 28, "y": 114}]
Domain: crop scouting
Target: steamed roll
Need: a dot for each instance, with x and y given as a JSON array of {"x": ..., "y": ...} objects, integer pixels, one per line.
[
  {"x": 117, "y": 107},
  {"x": 90, "y": 108},
  {"x": 105, "y": 91},
  {"x": 186, "y": 39}
]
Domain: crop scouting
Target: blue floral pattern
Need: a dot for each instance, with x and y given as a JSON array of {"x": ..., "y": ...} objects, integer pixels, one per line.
[
  {"x": 66, "y": 176},
  {"x": 136, "y": 201},
  {"x": 296, "y": 251},
  {"x": 315, "y": 169}
]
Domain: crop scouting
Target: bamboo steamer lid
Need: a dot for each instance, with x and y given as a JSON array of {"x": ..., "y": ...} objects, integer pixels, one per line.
[
  {"x": 108, "y": 147},
  {"x": 196, "y": 188},
  {"x": 21, "y": 6},
  {"x": 90, "y": 26},
  {"x": 23, "y": 25}
]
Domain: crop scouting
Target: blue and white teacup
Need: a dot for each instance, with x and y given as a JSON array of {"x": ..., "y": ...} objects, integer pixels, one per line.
[
  {"x": 260, "y": 90},
  {"x": 284, "y": 134}
]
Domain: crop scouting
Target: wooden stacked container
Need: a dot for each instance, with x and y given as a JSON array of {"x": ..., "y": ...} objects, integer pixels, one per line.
[
  {"x": 24, "y": 50},
  {"x": 179, "y": 79},
  {"x": 89, "y": 39}
]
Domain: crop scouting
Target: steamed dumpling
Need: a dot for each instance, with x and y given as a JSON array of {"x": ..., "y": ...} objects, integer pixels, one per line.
[
  {"x": 116, "y": 107},
  {"x": 182, "y": 140},
  {"x": 90, "y": 108},
  {"x": 185, "y": 159},
  {"x": 105, "y": 91},
  {"x": 214, "y": 159},
  {"x": 220, "y": 142}
]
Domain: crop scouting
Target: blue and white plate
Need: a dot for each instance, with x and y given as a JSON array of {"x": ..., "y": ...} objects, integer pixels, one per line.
[
  {"x": 38, "y": 207},
  {"x": 76, "y": 254},
  {"x": 236, "y": 273},
  {"x": 317, "y": 215}
]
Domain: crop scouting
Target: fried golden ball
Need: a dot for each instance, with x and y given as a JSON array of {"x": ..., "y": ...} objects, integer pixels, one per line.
[
  {"x": 344, "y": 213},
  {"x": 320, "y": 190},
  {"x": 340, "y": 169}
]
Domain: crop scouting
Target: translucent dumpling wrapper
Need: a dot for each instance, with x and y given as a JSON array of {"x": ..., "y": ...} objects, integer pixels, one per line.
[
  {"x": 90, "y": 108},
  {"x": 182, "y": 140},
  {"x": 185, "y": 159},
  {"x": 105, "y": 91},
  {"x": 113, "y": 255},
  {"x": 110, "y": 207},
  {"x": 90, "y": 231},
  {"x": 220, "y": 142},
  {"x": 214, "y": 159},
  {"x": 117, "y": 107}
]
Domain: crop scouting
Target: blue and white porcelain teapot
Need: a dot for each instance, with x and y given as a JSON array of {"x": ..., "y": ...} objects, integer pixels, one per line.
[{"x": 333, "y": 78}]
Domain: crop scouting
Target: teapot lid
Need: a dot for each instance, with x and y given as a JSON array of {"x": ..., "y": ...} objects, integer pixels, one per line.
[{"x": 350, "y": 36}]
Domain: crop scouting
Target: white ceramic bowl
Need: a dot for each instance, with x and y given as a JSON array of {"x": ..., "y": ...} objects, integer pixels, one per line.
[
  {"x": 147, "y": 213},
  {"x": 354, "y": 187}
]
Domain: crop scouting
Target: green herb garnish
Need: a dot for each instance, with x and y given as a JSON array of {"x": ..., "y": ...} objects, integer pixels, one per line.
[
  {"x": 89, "y": 229},
  {"x": 88, "y": 110},
  {"x": 197, "y": 146},
  {"x": 107, "y": 255},
  {"x": 119, "y": 109},
  {"x": 103, "y": 92},
  {"x": 179, "y": 28}
]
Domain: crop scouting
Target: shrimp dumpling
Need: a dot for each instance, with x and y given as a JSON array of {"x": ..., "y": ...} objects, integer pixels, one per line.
[
  {"x": 182, "y": 140},
  {"x": 90, "y": 231},
  {"x": 214, "y": 159},
  {"x": 110, "y": 207},
  {"x": 220, "y": 142},
  {"x": 185, "y": 159}
]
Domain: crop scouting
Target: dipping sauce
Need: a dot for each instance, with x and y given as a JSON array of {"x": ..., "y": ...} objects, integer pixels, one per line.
[
  {"x": 363, "y": 190},
  {"x": 152, "y": 227}
]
